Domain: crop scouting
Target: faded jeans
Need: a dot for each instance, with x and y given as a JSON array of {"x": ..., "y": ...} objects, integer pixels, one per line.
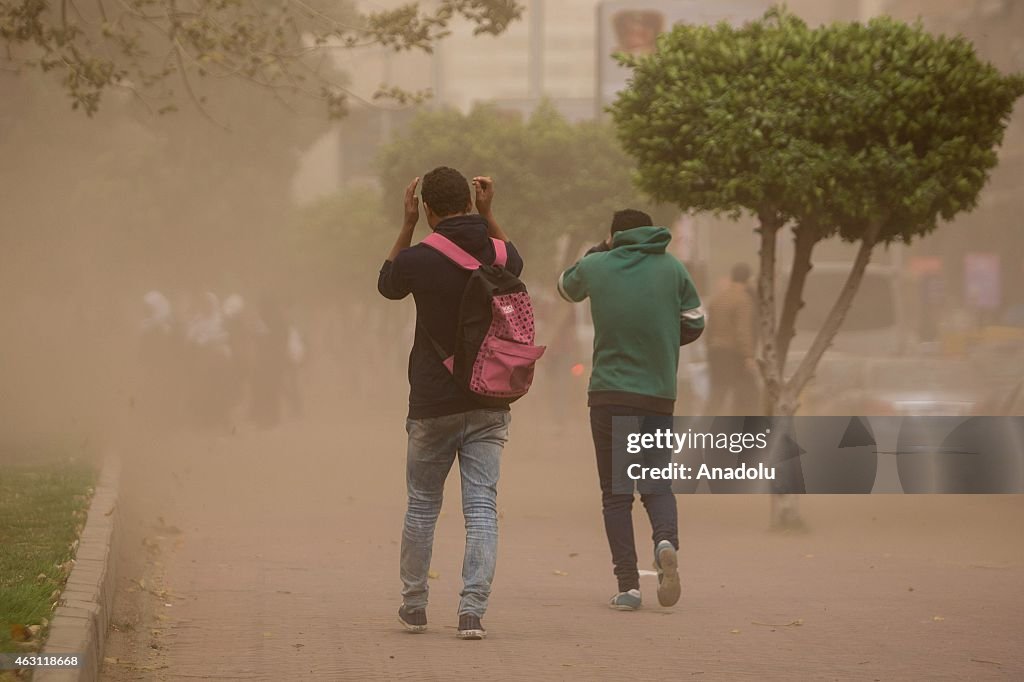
[{"x": 476, "y": 438}]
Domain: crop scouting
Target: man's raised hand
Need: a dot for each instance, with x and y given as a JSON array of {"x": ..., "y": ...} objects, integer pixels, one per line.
[
  {"x": 484, "y": 187},
  {"x": 412, "y": 205}
]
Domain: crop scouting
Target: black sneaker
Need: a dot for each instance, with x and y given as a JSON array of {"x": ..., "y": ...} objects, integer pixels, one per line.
[
  {"x": 470, "y": 627},
  {"x": 414, "y": 621}
]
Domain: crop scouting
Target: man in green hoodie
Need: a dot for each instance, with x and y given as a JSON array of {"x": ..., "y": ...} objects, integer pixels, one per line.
[{"x": 644, "y": 306}]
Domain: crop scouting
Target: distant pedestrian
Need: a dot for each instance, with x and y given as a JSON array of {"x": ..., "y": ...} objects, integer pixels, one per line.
[
  {"x": 158, "y": 395},
  {"x": 270, "y": 363},
  {"x": 209, "y": 363},
  {"x": 730, "y": 343},
  {"x": 239, "y": 340},
  {"x": 296, "y": 348}
]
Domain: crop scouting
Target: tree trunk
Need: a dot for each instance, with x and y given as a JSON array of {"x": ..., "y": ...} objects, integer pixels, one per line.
[
  {"x": 804, "y": 239},
  {"x": 834, "y": 321},
  {"x": 768, "y": 360}
]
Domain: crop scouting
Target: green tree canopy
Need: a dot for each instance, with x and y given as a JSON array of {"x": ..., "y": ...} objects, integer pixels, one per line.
[
  {"x": 873, "y": 132},
  {"x": 554, "y": 178}
]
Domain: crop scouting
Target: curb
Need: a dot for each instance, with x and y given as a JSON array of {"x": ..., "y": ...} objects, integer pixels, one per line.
[{"x": 79, "y": 624}]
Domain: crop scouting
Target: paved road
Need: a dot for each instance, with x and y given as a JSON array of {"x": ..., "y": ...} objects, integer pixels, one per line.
[{"x": 273, "y": 556}]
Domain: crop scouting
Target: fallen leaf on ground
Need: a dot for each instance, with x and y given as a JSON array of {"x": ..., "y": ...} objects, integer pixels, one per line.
[
  {"x": 938, "y": 619},
  {"x": 433, "y": 575},
  {"x": 734, "y": 632},
  {"x": 557, "y": 572}
]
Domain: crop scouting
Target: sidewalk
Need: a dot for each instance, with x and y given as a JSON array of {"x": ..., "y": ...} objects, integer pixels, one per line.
[{"x": 276, "y": 559}]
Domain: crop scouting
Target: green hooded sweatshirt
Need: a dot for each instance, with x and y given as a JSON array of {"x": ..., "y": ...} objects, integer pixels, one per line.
[{"x": 642, "y": 301}]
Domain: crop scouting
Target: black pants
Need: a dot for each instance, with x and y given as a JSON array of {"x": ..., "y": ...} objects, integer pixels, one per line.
[
  {"x": 618, "y": 508},
  {"x": 730, "y": 377}
]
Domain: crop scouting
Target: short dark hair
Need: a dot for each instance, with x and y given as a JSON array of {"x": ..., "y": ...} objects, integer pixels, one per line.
[
  {"x": 629, "y": 218},
  {"x": 740, "y": 273},
  {"x": 446, "y": 191}
]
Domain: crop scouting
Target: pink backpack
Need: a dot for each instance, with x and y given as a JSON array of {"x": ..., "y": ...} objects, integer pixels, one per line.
[{"x": 494, "y": 356}]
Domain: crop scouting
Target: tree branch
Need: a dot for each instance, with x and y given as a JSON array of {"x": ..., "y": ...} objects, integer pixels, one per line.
[
  {"x": 178, "y": 49},
  {"x": 834, "y": 321},
  {"x": 767, "y": 358}
]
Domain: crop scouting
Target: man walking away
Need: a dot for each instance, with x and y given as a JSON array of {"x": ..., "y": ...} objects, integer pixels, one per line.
[
  {"x": 644, "y": 306},
  {"x": 444, "y": 421},
  {"x": 731, "y": 347}
]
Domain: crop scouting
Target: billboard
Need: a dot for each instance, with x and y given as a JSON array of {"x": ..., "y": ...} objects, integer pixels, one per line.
[{"x": 633, "y": 26}]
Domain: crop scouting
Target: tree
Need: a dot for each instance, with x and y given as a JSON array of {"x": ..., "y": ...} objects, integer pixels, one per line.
[
  {"x": 146, "y": 46},
  {"x": 873, "y": 133},
  {"x": 336, "y": 244},
  {"x": 174, "y": 198},
  {"x": 555, "y": 179}
]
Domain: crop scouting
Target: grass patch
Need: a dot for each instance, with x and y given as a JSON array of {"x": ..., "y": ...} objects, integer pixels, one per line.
[{"x": 42, "y": 511}]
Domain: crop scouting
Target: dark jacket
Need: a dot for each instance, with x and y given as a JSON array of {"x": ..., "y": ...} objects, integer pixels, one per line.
[{"x": 436, "y": 285}]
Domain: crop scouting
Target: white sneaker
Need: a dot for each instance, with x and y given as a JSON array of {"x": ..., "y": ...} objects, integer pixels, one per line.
[
  {"x": 626, "y": 601},
  {"x": 667, "y": 562}
]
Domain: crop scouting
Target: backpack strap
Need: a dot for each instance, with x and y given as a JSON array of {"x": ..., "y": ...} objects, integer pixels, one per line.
[
  {"x": 500, "y": 252},
  {"x": 450, "y": 250},
  {"x": 456, "y": 254}
]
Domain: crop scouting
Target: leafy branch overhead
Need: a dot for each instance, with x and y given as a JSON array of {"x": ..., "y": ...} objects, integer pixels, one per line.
[{"x": 157, "y": 49}]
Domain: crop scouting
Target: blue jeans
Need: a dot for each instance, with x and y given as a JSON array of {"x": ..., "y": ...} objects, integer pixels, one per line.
[{"x": 477, "y": 438}]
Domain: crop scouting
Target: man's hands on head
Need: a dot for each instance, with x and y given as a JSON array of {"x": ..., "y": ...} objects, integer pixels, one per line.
[
  {"x": 412, "y": 205},
  {"x": 411, "y": 216},
  {"x": 483, "y": 187}
]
